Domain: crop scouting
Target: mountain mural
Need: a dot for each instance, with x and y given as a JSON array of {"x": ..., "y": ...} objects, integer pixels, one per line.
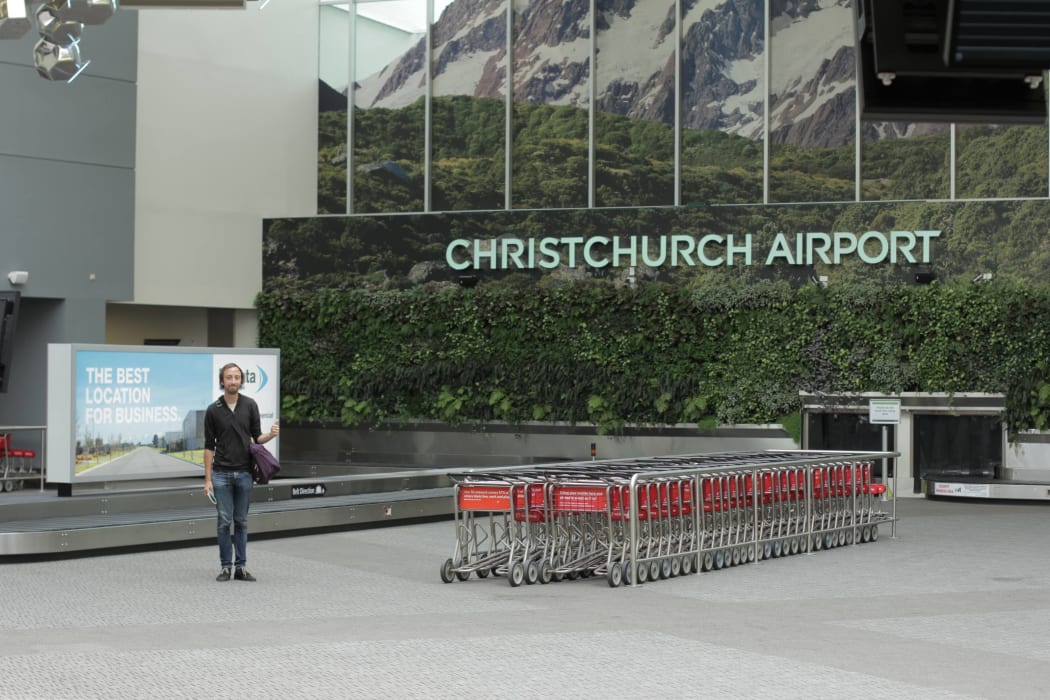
[{"x": 812, "y": 79}]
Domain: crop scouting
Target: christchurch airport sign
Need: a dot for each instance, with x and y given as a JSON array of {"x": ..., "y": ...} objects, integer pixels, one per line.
[{"x": 675, "y": 250}]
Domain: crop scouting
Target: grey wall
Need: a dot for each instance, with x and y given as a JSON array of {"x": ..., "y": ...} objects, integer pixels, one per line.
[{"x": 67, "y": 188}]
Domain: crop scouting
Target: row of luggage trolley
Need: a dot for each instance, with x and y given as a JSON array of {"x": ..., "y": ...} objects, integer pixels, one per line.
[
  {"x": 635, "y": 520},
  {"x": 17, "y": 465}
]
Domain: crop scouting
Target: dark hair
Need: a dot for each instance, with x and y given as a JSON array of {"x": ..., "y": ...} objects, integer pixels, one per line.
[{"x": 227, "y": 366}]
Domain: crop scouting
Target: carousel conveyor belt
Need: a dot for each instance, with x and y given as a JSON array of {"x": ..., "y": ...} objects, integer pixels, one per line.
[{"x": 48, "y": 525}]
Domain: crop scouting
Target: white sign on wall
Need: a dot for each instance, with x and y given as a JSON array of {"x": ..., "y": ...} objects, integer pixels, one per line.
[{"x": 884, "y": 411}]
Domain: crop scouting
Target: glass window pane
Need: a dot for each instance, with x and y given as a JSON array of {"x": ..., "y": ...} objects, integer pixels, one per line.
[
  {"x": 333, "y": 70},
  {"x": 634, "y": 130},
  {"x": 1000, "y": 161},
  {"x": 723, "y": 100},
  {"x": 389, "y": 106},
  {"x": 813, "y": 103},
  {"x": 468, "y": 115},
  {"x": 905, "y": 161},
  {"x": 551, "y": 70}
]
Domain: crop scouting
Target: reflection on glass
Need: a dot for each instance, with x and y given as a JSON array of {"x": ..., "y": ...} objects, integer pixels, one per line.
[
  {"x": 1000, "y": 161},
  {"x": 812, "y": 102},
  {"x": 469, "y": 74},
  {"x": 551, "y": 70},
  {"x": 905, "y": 161},
  {"x": 723, "y": 94},
  {"x": 332, "y": 67},
  {"x": 635, "y": 121},
  {"x": 389, "y": 110}
]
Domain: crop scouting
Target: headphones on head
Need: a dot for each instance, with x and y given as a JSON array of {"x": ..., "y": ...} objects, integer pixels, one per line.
[{"x": 227, "y": 366}]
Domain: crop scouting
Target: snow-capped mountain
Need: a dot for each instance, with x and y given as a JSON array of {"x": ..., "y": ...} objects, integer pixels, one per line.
[{"x": 811, "y": 78}]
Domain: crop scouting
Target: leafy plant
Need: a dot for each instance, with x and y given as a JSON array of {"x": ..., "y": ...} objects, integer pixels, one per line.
[{"x": 656, "y": 354}]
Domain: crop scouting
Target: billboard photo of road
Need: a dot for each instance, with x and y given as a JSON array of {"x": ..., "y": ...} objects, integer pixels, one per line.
[{"x": 141, "y": 413}]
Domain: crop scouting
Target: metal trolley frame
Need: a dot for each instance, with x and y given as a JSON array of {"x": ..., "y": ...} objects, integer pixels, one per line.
[
  {"x": 21, "y": 464},
  {"x": 635, "y": 520}
]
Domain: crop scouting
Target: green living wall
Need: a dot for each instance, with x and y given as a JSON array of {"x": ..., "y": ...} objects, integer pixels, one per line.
[{"x": 591, "y": 351}]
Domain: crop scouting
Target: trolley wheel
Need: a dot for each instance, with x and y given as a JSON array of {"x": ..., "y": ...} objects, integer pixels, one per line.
[
  {"x": 751, "y": 553},
  {"x": 572, "y": 575},
  {"x": 818, "y": 542},
  {"x": 642, "y": 572},
  {"x": 676, "y": 566},
  {"x": 778, "y": 548},
  {"x": 9, "y": 485},
  {"x": 627, "y": 575},
  {"x": 463, "y": 575},
  {"x": 615, "y": 575},
  {"x": 795, "y": 545},
  {"x": 734, "y": 557},
  {"x": 865, "y": 534},
  {"x": 532, "y": 572},
  {"x": 654, "y": 570},
  {"x": 874, "y": 533},
  {"x": 803, "y": 543},
  {"x": 687, "y": 564},
  {"x": 483, "y": 573},
  {"x": 842, "y": 537},
  {"x": 546, "y": 572},
  {"x": 708, "y": 562},
  {"x": 516, "y": 575},
  {"x": 829, "y": 540},
  {"x": 720, "y": 559},
  {"x": 767, "y": 550},
  {"x": 446, "y": 571},
  {"x": 849, "y": 536},
  {"x": 665, "y": 568},
  {"x": 556, "y": 564}
]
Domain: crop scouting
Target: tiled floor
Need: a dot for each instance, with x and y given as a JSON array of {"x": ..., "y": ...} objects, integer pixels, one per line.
[{"x": 958, "y": 605}]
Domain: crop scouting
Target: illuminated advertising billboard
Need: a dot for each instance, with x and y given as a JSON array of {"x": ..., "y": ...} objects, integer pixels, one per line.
[{"x": 131, "y": 412}]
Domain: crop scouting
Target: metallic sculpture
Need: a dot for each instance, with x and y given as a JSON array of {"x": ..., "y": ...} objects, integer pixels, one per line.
[
  {"x": 55, "y": 29},
  {"x": 87, "y": 11},
  {"x": 56, "y": 62}
]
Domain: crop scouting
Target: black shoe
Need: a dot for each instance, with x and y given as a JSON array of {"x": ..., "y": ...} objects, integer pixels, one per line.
[
  {"x": 242, "y": 575},
  {"x": 224, "y": 575}
]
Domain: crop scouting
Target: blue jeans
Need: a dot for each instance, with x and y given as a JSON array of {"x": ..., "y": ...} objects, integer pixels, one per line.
[{"x": 233, "y": 493}]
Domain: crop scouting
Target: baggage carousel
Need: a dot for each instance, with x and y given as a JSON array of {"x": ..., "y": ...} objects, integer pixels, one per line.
[{"x": 118, "y": 515}]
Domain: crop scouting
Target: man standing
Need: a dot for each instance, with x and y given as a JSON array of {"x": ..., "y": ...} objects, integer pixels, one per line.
[{"x": 228, "y": 423}]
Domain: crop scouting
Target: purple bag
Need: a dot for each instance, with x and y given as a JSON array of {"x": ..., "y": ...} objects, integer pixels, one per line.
[{"x": 264, "y": 464}]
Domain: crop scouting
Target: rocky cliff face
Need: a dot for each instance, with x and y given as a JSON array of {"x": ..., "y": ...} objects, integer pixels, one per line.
[{"x": 723, "y": 67}]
